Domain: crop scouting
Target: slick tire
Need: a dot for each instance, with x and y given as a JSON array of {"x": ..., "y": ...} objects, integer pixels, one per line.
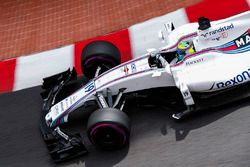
[
  {"x": 99, "y": 53},
  {"x": 108, "y": 128}
]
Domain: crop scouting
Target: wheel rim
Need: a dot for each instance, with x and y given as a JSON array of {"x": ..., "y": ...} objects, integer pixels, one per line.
[{"x": 108, "y": 136}]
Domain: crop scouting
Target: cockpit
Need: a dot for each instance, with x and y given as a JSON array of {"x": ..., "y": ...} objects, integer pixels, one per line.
[
  {"x": 186, "y": 46},
  {"x": 183, "y": 49}
]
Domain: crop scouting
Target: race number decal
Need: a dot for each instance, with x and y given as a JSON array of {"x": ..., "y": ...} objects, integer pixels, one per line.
[{"x": 89, "y": 87}]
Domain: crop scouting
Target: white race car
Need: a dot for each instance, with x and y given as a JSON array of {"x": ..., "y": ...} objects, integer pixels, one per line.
[{"x": 208, "y": 63}]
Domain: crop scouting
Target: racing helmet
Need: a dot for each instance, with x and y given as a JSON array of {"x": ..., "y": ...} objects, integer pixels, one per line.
[{"x": 185, "y": 47}]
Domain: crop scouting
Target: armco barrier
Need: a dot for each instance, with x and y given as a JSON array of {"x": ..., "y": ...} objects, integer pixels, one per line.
[{"x": 28, "y": 71}]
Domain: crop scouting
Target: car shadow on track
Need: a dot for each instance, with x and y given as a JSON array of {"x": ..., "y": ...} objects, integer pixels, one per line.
[
  {"x": 182, "y": 128},
  {"x": 204, "y": 118},
  {"x": 147, "y": 122}
]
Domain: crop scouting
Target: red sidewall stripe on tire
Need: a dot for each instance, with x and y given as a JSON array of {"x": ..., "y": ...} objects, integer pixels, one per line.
[{"x": 118, "y": 129}]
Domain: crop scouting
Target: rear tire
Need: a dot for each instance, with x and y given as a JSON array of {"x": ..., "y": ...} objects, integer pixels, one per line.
[
  {"x": 108, "y": 128},
  {"x": 99, "y": 53}
]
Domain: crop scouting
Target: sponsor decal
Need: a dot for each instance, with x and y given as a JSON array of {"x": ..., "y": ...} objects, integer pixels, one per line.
[
  {"x": 216, "y": 39},
  {"x": 238, "y": 79},
  {"x": 56, "y": 110},
  {"x": 74, "y": 97},
  {"x": 220, "y": 30},
  {"x": 67, "y": 102},
  {"x": 194, "y": 61},
  {"x": 224, "y": 35},
  {"x": 242, "y": 41},
  {"x": 62, "y": 108},
  {"x": 185, "y": 94},
  {"x": 221, "y": 35},
  {"x": 125, "y": 70},
  {"x": 133, "y": 67},
  {"x": 89, "y": 87},
  {"x": 70, "y": 100}
]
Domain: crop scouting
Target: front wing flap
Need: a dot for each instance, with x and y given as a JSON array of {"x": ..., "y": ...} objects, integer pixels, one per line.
[
  {"x": 61, "y": 149},
  {"x": 61, "y": 145}
]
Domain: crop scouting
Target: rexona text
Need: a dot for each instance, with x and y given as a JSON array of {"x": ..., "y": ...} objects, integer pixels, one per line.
[{"x": 240, "y": 78}]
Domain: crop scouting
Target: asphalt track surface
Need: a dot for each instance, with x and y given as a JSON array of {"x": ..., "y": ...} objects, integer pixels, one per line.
[{"x": 212, "y": 138}]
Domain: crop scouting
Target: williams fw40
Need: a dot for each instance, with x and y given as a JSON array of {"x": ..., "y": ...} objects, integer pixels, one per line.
[{"x": 206, "y": 64}]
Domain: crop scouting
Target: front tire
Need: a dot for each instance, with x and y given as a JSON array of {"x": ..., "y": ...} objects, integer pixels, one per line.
[
  {"x": 99, "y": 53},
  {"x": 108, "y": 128}
]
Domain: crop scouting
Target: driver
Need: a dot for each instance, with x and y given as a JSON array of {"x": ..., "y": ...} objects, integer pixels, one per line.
[{"x": 184, "y": 48}]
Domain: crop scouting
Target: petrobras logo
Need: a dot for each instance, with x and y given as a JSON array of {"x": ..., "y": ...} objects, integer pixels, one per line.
[
  {"x": 238, "y": 79},
  {"x": 219, "y": 30},
  {"x": 242, "y": 41}
]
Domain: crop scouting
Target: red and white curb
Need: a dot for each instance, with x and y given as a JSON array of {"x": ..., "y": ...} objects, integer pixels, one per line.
[{"x": 28, "y": 71}]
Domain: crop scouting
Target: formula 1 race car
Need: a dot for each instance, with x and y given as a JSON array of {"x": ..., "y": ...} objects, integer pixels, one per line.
[{"x": 207, "y": 63}]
